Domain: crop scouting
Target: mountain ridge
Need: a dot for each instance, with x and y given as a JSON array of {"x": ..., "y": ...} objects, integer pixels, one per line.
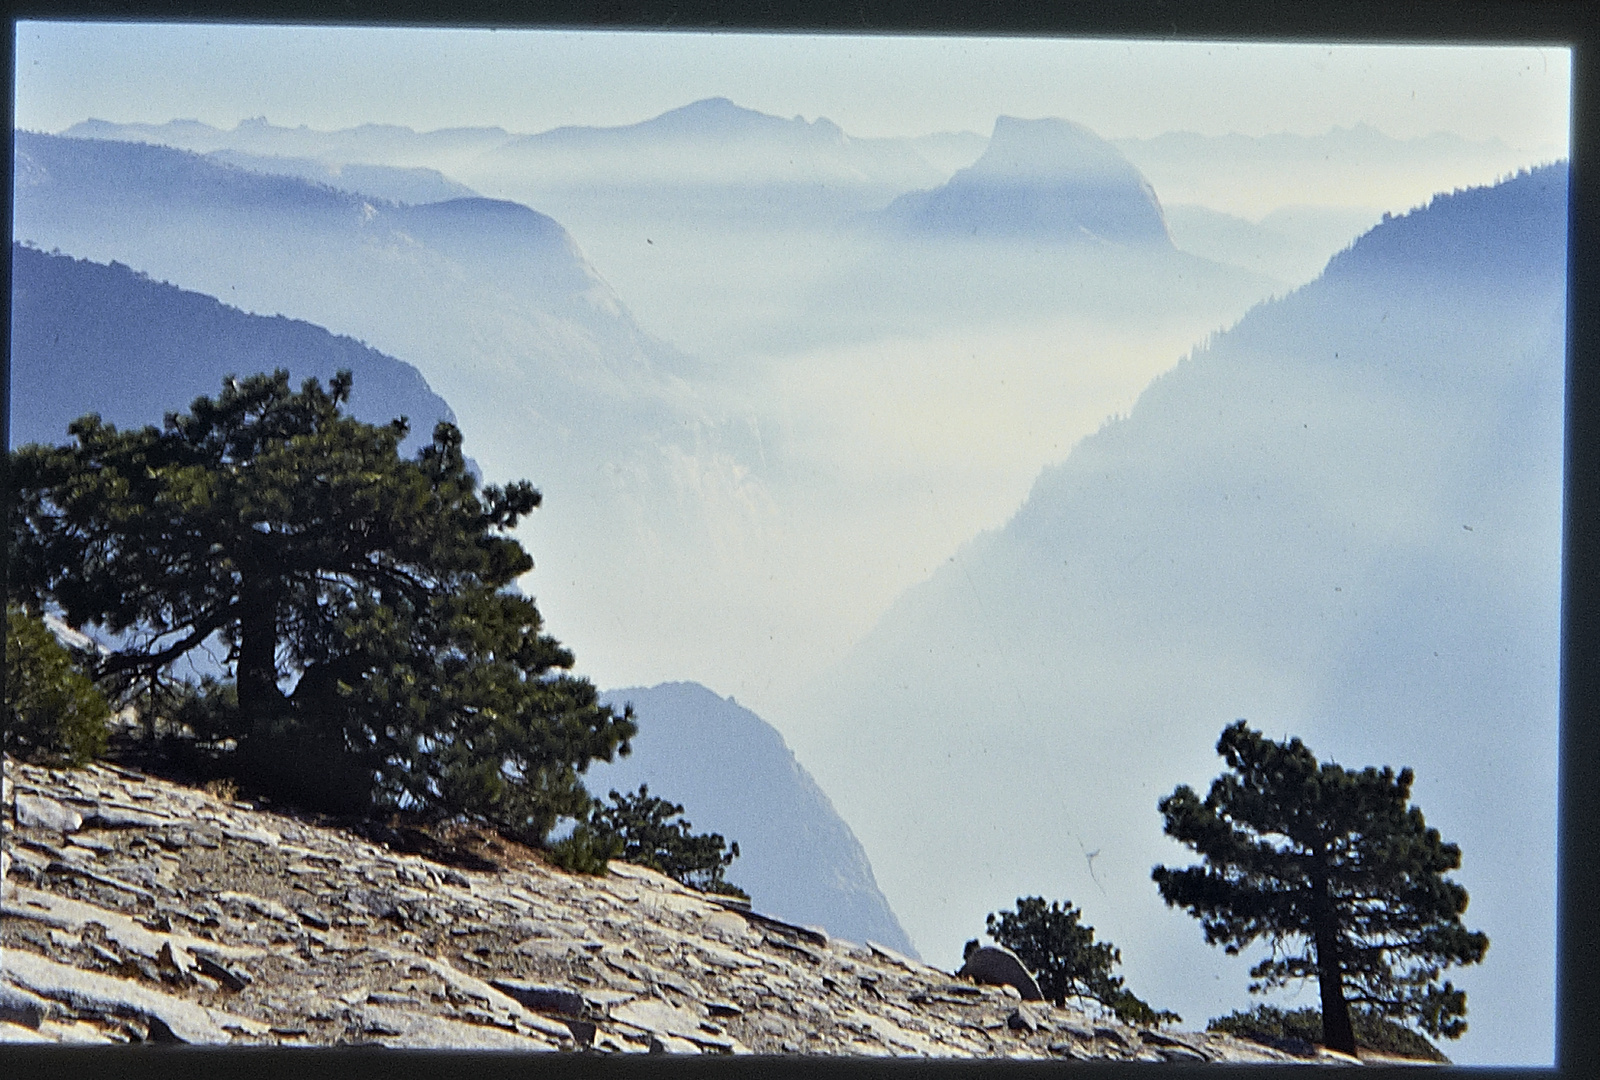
[
  {"x": 91, "y": 337},
  {"x": 714, "y": 116},
  {"x": 712, "y": 143},
  {"x": 1339, "y": 519},
  {"x": 391, "y": 183},
  {"x": 116, "y": 200},
  {"x": 735, "y": 775},
  {"x": 397, "y": 144}
]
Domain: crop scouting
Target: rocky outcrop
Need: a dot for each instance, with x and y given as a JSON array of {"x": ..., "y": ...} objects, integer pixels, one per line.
[{"x": 138, "y": 910}]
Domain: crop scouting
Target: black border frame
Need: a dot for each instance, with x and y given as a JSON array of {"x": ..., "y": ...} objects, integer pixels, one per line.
[{"x": 1573, "y": 23}]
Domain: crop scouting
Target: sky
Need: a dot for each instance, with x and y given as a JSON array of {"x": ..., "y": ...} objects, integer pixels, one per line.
[{"x": 530, "y": 81}]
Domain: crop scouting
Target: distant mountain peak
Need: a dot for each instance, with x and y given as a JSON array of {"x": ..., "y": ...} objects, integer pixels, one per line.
[
  {"x": 712, "y": 105},
  {"x": 1050, "y": 151},
  {"x": 720, "y": 116},
  {"x": 717, "y": 143},
  {"x": 714, "y": 108},
  {"x": 1046, "y": 179},
  {"x": 94, "y": 128}
]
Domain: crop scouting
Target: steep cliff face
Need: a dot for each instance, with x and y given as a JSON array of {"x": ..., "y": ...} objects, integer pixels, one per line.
[
  {"x": 1049, "y": 180},
  {"x": 734, "y": 775},
  {"x": 136, "y": 909}
]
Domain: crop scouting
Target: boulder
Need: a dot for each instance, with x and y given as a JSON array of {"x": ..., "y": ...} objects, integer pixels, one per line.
[{"x": 994, "y": 965}]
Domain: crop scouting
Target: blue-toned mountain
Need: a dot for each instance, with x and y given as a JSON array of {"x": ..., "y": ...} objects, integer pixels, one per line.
[
  {"x": 87, "y": 337},
  {"x": 164, "y": 209},
  {"x": 718, "y": 145},
  {"x": 551, "y": 378},
  {"x": 734, "y": 775},
  {"x": 1042, "y": 180},
  {"x": 373, "y": 144},
  {"x": 492, "y": 301},
  {"x": 387, "y": 182},
  {"x": 1340, "y": 519}
]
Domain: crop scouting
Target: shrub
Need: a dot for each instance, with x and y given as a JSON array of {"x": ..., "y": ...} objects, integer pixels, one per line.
[
  {"x": 586, "y": 850},
  {"x": 221, "y": 789},
  {"x": 54, "y": 713},
  {"x": 649, "y": 835},
  {"x": 1275, "y": 1027}
]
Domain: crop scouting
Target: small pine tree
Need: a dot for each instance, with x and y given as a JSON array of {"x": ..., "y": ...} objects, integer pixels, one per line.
[
  {"x": 54, "y": 713},
  {"x": 651, "y": 837},
  {"x": 1053, "y": 943}
]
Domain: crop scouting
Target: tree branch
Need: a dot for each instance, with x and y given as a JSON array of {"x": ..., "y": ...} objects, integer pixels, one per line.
[{"x": 134, "y": 661}]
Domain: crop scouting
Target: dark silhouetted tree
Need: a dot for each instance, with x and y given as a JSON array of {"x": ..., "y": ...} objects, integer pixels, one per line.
[
  {"x": 1342, "y": 879},
  {"x": 652, "y": 832},
  {"x": 375, "y": 650},
  {"x": 1065, "y": 959}
]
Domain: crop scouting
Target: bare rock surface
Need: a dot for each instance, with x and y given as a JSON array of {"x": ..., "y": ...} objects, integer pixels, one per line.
[
  {"x": 40, "y": 812},
  {"x": 137, "y": 910}
]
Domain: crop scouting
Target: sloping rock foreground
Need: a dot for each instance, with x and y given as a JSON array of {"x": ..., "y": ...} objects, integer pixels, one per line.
[{"x": 137, "y": 910}]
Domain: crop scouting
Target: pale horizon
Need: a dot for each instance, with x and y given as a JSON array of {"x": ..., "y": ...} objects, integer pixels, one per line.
[{"x": 530, "y": 81}]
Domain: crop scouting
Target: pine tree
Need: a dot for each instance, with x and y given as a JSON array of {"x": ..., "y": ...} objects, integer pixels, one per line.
[
  {"x": 1060, "y": 950},
  {"x": 376, "y": 650},
  {"x": 651, "y": 831},
  {"x": 1335, "y": 862}
]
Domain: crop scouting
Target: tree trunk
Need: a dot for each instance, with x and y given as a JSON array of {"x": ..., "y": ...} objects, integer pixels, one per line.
[
  {"x": 257, "y": 672},
  {"x": 1337, "y": 1032}
]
